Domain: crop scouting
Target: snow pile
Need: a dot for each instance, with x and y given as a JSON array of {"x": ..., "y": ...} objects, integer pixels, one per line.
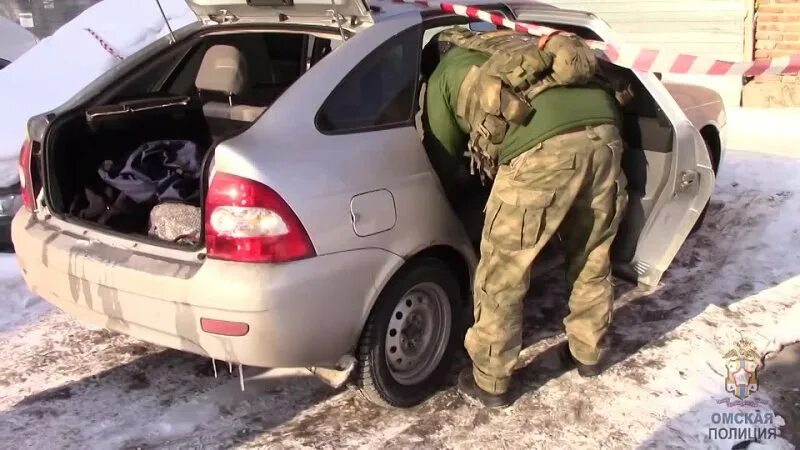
[{"x": 59, "y": 66}]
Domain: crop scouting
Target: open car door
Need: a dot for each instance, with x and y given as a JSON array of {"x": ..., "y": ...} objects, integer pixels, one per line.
[
  {"x": 688, "y": 190},
  {"x": 347, "y": 13},
  {"x": 677, "y": 180}
]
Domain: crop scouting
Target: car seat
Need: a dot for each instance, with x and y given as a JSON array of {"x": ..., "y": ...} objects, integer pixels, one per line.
[{"x": 223, "y": 73}]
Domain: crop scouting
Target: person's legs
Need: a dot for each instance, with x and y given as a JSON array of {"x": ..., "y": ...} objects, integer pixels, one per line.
[
  {"x": 528, "y": 201},
  {"x": 588, "y": 232}
]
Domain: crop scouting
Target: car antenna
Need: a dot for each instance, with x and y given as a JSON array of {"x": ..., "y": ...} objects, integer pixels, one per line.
[{"x": 169, "y": 27}]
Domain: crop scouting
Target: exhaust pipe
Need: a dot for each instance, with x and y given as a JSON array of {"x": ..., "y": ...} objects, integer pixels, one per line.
[{"x": 337, "y": 377}]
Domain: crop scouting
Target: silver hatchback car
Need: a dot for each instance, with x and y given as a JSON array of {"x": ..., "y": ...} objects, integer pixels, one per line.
[{"x": 325, "y": 238}]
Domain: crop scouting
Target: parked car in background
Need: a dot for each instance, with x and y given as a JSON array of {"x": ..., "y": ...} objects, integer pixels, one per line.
[
  {"x": 323, "y": 234},
  {"x": 14, "y": 41}
]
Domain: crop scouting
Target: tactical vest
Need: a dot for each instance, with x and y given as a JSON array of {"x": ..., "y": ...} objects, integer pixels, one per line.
[{"x": 500, "y": 91}]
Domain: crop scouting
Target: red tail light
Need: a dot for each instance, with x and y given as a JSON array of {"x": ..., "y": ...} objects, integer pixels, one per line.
[
  {"x": 247, "y": 221},
  {"x": 25, "y": 176}
]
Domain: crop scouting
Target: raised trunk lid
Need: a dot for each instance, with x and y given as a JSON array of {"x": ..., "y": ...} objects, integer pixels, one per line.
[{"x": 349, "y": 13}]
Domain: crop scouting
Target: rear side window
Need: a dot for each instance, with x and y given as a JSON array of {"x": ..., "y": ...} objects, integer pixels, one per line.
[
  {"x": 286, "y": 58},
  {"x": 379, "y": 92},
  {"x": 274, "y": 60}
]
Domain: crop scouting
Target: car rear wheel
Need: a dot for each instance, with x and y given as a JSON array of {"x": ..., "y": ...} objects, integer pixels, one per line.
[{"x": 412, "y": 334}]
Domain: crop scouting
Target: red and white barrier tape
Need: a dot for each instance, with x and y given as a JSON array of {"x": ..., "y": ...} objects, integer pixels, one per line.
[
  {"x": 106, "y": 46},
  {"x": 632, "y": 57}
]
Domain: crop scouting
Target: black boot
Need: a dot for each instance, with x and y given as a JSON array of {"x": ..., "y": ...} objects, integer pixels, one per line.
[
  {"x": 584, "y": 370},
  {"x": 469, "y": 389}
]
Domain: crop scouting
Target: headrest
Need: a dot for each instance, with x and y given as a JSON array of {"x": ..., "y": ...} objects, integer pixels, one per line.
[
  {"x": 223, "y": 70},
  {"x": 431, "y": 55}
]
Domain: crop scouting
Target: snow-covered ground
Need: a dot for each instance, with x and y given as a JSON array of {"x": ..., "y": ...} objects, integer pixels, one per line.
[
  {"x": 59, "y": 66},
  {"x": 18, "y": 305},
  {"x": 67, "y": 386}
]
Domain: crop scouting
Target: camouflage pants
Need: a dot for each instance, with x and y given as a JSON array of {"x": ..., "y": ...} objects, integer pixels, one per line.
[{"x": 573, "y": 179}]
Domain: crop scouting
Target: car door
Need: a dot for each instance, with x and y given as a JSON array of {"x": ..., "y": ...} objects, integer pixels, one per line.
[{"x": 690, "y": 180}]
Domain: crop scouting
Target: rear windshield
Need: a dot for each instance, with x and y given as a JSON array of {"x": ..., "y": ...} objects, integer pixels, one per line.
[{"x": 274, "y": 61}]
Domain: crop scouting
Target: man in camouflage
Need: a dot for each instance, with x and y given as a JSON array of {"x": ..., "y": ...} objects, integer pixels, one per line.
[{"x": 555, "y": 171}]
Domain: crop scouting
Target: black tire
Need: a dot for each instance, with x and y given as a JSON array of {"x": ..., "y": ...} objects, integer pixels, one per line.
[
  {"x": 700, "y": 219},
  {"x": 374, "y": 377}
]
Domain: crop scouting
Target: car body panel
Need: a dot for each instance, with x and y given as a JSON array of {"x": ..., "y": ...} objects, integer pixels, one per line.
[
  {"x": 700, "y": 104},
  {"x": 335, "y": 168},
  {"x": 159, "y": 293},
  {"x": 14, "y": 40}
]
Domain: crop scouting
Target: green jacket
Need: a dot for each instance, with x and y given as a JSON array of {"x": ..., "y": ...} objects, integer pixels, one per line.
[{"x": 556, "y": 110}]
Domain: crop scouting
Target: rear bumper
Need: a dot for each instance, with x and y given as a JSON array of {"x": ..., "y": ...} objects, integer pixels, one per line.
[{"x": 303, "y": 313}]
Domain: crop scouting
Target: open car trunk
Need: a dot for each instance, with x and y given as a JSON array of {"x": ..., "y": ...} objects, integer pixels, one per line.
[
  {"x": 136, "y": 160},
  {"x": 97, "y": 169}
]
